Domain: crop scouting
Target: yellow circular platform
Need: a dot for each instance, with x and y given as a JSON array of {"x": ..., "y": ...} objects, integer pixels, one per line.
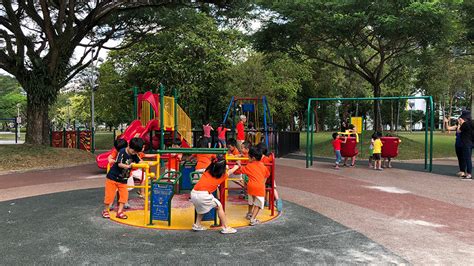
[{"x": 182, "y": 214}]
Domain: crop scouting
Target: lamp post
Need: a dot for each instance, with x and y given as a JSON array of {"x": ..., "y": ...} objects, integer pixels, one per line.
[
  {"x": 93, "y": 82},
  {"x": 411, "y": 104},
  {"x": 18, "y": 118},
  {"x": 68, "y": 102}
]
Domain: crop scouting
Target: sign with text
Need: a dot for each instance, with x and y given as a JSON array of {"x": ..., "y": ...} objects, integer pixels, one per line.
[{"x": 161, "y": 201}]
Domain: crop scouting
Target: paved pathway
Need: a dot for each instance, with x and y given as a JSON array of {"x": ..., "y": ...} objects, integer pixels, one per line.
[{"x": 347, "y": 216}]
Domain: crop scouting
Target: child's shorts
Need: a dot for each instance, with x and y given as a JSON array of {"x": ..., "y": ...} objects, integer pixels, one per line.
[
  {"x": 256, "y": 201},
  {"x": 377, "y": 156},
  {"x": 222, "y": 142},
  {"x": 203, "y": 201},
  {"x": 111, "y": 187}
]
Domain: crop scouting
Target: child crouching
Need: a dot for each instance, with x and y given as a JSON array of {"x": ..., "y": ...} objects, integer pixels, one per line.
[{"x": 203, "y": 199}]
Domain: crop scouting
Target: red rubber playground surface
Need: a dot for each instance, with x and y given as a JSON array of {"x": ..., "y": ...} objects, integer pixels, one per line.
[{"x": 421, "y": 217}]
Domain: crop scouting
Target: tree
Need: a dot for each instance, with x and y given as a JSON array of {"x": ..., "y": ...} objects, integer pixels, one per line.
[
  {"x": 368, "y": 38},
  {"x": 191, "y": 56},
  {"x": 39, "y": 39}
]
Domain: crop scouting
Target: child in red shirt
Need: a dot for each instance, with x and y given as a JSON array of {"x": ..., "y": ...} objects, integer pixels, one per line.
[
  {"x": 202, "y": 194},
  {"x": 336, "y": 144},
  {"x": 221, "y": 131},
  {"x": 257, "y": 173}
]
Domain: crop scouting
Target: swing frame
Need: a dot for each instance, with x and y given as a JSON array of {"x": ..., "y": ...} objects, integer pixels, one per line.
[{"x": 429, "y": 122}]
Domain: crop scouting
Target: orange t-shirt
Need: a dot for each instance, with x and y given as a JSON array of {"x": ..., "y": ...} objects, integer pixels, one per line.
[
  {"x": 235, "y": 152},
  {"x": 257, "y": 173},
  {"x": 204, "y": 160},
  {"x": 209, "y": 183},
  {"x": 266, "y": 159}
]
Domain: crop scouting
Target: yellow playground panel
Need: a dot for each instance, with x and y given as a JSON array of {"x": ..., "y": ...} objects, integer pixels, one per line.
[
  {"x": 146, "y": 112},
  {"x": 357, "y": 122},
  {"x": 184, "y": 124},
  {"x": 168, "y": 112}
]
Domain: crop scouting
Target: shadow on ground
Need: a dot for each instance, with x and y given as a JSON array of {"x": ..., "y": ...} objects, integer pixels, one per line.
[
  {"x": 67, "y": 228},
  {"x": 440, "y": 169}
]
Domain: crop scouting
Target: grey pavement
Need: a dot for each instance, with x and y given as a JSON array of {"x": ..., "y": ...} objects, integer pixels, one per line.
[{"x": 66, "y": 228}]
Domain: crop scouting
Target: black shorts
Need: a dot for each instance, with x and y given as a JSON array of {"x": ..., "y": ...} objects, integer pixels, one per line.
[
  {"x": 377, "y": 156},
  {"x": 206, "y": 141}
]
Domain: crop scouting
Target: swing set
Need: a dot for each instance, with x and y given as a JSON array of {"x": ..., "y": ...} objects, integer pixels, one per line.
[
  {"x": 249, "y": 107},
  {"x": 429, "y": 123}
]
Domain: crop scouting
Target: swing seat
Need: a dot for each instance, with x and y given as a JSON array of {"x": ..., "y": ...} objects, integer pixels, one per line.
[
  {"x": 390, "y": 147},
  {"x": 349, "y": 149}
]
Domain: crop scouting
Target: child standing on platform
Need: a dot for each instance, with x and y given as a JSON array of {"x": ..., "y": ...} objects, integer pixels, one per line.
[
  {"x": 336, "y": 144},
  {"x": 202, "y": 194},
  {"x": 207, "y": 134},
  {"x": 118, "y": 175},
  {"x": 257, "y": 173},
  {"x": 221, "y": 132}
]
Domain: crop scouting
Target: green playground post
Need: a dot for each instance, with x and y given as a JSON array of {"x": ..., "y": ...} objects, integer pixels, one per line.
[
  {"x": 307, "y": 133},
  {"x": 431, "y": 133},
  {"x": 426, "y": 132},
  {"x": 135, "y": 102},
  {"x": 162, "y": 124},
  {"x": 312, "y": 136}
]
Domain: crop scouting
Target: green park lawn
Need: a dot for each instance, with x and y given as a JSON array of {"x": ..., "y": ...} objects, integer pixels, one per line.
[
  {"x": 27, "y": 157},
  {"x": 412, "y": 146}
]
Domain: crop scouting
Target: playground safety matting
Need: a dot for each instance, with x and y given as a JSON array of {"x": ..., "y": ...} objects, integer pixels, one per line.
[{"x": 182, "y": 214}]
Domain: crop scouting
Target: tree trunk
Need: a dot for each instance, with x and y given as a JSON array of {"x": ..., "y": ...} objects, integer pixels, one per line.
[
  {"x": 37, "y": 128},
  {"x": 40, "y": 95},
  {"x": 377, "y": 111}
]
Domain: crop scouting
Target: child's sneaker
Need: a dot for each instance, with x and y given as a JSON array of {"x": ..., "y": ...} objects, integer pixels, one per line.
[
  {"x": 126, "y": 206},
  {"x": 379, "y": 169},
  {"x": 467, "y": 178},
  {"x": 228, "y": 230},
  {"x": 199, "y": 227},
  {"x": 248, "y": 216},
  {"x": 254, "y": 222}
]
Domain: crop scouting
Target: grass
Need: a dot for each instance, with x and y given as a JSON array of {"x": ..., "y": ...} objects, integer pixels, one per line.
[
  {"x": 412, "y": 146},
  {"x": 104, "y": 140},
  {"x": 28, "y": 157},
  {"x": 11, "y": 136}
]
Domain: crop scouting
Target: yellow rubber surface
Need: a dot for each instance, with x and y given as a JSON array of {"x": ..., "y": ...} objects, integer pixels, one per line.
[{"x": 182, "y": 215}]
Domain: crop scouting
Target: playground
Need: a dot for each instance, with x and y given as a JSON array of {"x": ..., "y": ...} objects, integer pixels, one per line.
[{"x": 402, "y": 215}]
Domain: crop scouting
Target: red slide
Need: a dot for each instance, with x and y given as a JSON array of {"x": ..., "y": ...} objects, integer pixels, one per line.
[{"x": 134, "y": 128}]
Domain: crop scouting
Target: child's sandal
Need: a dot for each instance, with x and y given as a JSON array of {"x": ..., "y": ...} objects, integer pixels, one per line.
[
  {"x": 121, "y": 215},
  {"x": 105, "y": 214}
]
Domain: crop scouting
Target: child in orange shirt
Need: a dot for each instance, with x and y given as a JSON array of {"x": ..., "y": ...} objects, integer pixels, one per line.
[
  {"x": 269, "y": 160},
  {"x": 244, "y": 149},
  {"x": 203, "y": 199},
  {"x": 232, "y": 147},
  {"x": 257, "y": 173},
  {"x": 118, "y": 175}
]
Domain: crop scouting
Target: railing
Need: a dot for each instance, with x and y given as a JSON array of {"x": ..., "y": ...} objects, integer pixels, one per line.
[
  {"x": 168, "y": 112},
  {"x": 184, "y": 124}
]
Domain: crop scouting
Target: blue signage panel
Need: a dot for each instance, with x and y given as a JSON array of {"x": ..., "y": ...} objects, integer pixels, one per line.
[{"x": 161, "y": 196}]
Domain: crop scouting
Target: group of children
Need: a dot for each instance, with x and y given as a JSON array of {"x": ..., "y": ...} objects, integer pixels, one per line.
[
  {"x": 375, "y": 152},
  {"x": 214, "y": 171}
]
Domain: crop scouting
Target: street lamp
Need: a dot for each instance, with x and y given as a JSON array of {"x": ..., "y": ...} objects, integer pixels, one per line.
[
  {"x": 68, "y": 103},
  {"x": 93, "y": 82},
  {"x": 18, "y": 118},
  {"x": 411, "y": 104}
]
